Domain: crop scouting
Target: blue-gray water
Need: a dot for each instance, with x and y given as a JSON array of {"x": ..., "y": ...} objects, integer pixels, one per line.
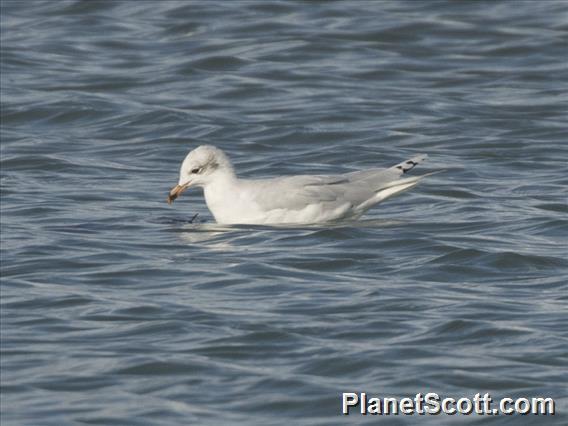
[{"x": 116, "y": 310}]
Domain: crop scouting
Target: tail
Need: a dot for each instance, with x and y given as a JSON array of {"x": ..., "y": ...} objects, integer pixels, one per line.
[
  {"x": 399, "y": 185},
  {"x": 396, "y": 185},
  {"x": 407, "y": 165}
]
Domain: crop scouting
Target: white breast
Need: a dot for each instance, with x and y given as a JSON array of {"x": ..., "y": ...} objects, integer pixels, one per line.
[{"x": 230, "y": 205}]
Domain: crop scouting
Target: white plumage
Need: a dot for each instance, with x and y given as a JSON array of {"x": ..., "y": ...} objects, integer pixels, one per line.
[{"x": 299, "y": 199}]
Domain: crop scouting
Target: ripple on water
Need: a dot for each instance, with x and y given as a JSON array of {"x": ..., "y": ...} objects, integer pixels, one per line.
[{"x": 117, "y": 308}]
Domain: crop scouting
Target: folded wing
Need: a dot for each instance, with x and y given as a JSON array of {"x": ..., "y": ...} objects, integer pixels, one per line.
[{"x": 358, "y": 191}]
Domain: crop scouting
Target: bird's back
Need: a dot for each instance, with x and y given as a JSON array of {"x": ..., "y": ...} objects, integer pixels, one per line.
[{"x": 312, "y": 198}]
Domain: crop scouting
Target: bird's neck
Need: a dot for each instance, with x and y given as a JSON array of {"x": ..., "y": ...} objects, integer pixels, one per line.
[
  {"x": 220, "y": 192},
  {"x": 225, "y": 182}
]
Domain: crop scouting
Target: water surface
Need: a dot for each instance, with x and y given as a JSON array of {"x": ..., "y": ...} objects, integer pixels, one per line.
[{"x": 117, "y": 310}]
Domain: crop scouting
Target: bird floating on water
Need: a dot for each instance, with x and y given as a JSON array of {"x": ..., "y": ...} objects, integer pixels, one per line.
[{"x": 302, "y": 199}]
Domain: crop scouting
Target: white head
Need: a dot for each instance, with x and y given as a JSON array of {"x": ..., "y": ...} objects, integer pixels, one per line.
[{"x": 201, "y": 166}]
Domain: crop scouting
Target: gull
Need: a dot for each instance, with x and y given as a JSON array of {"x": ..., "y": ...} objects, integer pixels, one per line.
[{"x": 302, "y": 199}]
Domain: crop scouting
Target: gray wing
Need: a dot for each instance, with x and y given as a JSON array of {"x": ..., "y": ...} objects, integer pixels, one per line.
[
  {"x": 384, "y": 178},
  {"x": 356, "y": 188},
  {"x": 298, "y": 192}
]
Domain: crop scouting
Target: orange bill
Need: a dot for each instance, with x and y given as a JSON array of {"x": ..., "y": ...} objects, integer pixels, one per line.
[{"x": 176, "y": 192}]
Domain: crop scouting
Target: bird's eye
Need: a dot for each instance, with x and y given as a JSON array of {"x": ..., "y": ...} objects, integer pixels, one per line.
[{"x": 196, "y": 170}]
